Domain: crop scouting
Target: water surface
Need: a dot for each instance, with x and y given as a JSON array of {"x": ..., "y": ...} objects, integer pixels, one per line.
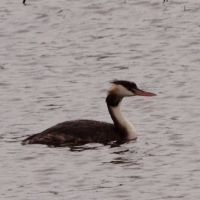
[{"x": 56, "y": 61}]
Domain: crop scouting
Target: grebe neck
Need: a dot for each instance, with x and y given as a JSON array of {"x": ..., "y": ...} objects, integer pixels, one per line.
[{"x": 124, "y": 127}]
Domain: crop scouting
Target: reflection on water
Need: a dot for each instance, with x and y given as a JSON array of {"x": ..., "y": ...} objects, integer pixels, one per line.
[
  {"x": 80, "y": 148},
  {"x": 121, "y": 152},
  {"x": 56, "y": 61}
]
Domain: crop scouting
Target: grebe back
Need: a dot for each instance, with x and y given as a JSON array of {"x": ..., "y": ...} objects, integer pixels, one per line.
[{"x": 87, "y": 131}]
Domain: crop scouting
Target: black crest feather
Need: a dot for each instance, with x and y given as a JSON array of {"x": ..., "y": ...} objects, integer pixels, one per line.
[{"x": 127, "y": 84}]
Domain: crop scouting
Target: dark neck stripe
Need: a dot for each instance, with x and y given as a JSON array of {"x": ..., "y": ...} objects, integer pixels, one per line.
[{"x": 113, "y": 100}]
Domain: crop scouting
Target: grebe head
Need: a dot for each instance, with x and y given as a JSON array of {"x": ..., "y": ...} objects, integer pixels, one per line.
[{"x": 120, "y": 89}]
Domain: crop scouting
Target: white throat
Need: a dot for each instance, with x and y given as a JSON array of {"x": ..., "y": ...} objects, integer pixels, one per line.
[{"x": 123, "y": 122}]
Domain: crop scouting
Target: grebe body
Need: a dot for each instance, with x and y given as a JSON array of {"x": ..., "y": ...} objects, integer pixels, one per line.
[{"x": 88, "y": 131}]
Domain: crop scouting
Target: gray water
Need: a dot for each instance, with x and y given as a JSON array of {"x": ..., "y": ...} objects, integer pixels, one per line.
[{"x": 56, "y": 61}]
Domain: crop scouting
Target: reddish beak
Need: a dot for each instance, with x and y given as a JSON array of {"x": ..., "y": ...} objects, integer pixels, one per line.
[{"x": 143, "y": 93}]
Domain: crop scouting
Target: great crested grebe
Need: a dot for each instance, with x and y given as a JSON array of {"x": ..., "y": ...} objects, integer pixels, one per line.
[{"x": 88, "y": 131}]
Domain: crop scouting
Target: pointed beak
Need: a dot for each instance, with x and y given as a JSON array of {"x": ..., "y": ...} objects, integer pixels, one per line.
[{"x": 143, "y": 93}]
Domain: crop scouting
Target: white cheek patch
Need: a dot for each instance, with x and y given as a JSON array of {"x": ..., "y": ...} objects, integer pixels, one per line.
[
  {"x": 120, "y": 90},
  {"x": 124, "y": 92}
]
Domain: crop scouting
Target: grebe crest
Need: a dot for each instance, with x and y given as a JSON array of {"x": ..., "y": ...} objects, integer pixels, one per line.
[{"x": 122, "y": 88}]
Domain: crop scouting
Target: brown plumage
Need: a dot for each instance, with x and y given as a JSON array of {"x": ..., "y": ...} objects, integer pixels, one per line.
[
  {"x": 76, "y": 132},
  {"x": 87, "y": 131}
]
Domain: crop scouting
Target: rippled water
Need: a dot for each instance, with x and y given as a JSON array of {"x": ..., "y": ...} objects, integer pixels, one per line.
[{"x": 56, "y": 61}]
